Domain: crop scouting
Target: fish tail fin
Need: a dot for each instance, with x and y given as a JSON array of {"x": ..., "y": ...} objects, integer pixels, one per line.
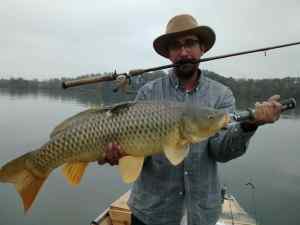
[{"x": 25, "y": 181}]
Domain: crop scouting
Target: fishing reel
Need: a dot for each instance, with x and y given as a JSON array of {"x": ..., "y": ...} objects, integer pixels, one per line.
[{"x": 123, "y": 80}]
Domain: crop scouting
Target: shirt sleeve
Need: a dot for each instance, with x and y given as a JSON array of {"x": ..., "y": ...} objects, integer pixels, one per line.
[{"x": 232, "y": 142}]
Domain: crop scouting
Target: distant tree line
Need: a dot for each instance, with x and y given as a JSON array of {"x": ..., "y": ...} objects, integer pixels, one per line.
[
  {"x": 246, "y": 91},
  {"x": 252, "y": 90}
]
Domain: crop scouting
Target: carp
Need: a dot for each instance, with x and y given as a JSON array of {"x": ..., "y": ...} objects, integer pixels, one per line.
[{"x": 141, "y": 128}]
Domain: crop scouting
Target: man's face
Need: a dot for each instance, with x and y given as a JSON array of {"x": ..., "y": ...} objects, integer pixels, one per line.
[{"x": 183, "y": 49}]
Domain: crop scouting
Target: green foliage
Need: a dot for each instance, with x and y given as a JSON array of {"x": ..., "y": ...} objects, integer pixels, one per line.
[
  {"x": 246, "y": 91},
  {"x": 249, "y": 91}
]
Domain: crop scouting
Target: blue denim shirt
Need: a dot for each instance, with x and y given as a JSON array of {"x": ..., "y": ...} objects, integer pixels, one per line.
[{"x": 163, "y": 192}]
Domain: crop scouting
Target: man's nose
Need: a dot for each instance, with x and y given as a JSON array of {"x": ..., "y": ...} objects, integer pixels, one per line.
[{"x": 183, "y": 51}]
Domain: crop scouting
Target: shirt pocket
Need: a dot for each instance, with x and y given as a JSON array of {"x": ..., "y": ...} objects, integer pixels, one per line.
[{"x": 155, "y": 176}]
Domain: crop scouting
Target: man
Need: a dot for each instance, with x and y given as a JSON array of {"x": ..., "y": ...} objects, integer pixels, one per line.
[{"x": 163, "y": 192}]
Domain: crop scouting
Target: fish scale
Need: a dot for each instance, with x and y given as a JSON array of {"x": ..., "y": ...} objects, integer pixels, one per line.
[
  {"x": 141, "y": 129},
  {"x": 116, "y": 129}
]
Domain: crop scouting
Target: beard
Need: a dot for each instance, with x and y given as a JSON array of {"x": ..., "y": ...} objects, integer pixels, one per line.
[{"x": 186, "y": 70}]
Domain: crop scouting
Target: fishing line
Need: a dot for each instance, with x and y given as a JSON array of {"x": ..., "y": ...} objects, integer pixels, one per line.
[{"x": 253, "y": 188}]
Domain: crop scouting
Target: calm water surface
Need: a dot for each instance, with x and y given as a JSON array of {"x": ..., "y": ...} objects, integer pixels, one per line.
[{"x": 272, "y": 164}]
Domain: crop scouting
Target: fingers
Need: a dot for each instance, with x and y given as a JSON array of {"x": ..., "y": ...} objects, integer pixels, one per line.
[
  {"x": 112, "y": 154},
  {"x": 275, "y": 101},
  {"x": 274, "y": 98},
  {"x": 268, "y": 111},
  {"x": 101, "y": 161}
]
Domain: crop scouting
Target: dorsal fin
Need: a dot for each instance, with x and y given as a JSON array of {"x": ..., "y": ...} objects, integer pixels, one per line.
[
  {"x": 74, "y": 120},
  {"x": 80, "y": 117},
  {"x": 117, "y": 108}
]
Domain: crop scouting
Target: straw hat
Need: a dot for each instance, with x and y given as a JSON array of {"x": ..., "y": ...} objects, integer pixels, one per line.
[{"x": 180, "y": 25}]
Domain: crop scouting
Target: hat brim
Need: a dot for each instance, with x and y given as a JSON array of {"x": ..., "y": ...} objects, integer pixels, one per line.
[{"x": 205, "y": 34}]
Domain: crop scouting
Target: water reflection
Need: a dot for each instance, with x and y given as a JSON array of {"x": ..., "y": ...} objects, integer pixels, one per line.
[
  {"x": 272, "y": 164},
  {"x": 103, "y": 95},
  {"x": 89, "y": 97},
  {"x": 25, "y": 124}
]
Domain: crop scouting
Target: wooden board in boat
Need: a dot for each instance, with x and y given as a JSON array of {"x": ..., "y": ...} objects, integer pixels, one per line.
[{"x": 119, "y": 213}]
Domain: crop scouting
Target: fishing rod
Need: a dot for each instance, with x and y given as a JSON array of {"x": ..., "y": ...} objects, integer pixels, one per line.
[{"x": 121, "y": 77}]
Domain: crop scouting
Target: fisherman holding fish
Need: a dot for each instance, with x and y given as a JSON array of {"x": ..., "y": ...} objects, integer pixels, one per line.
[
  {"x": 162, "y": 192},
  {"x": 168, "y": 142}
]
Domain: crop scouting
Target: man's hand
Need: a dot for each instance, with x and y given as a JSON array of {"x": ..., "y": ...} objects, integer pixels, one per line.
[
  {"x": 268, "y": 111},
  {"x": 112, "y": 155}
]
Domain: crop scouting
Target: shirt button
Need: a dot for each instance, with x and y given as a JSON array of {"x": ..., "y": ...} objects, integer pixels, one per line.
[
  {"x": 186, "y": 173},
  {"x": 181, "y": 193}
]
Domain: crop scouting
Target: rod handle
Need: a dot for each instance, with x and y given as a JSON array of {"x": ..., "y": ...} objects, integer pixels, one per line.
[
  {"x": 249, "y": 114},
  {"x": 88, "y": 80}
]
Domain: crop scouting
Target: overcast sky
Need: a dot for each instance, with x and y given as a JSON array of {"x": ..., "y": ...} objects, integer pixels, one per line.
[{"x": 46, "y": 39}]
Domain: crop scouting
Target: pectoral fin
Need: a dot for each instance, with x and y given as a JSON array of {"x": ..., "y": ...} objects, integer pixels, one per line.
[
  {"x": 176, "y": 148},
  {"x": 176, "y": 154},
  {"x": 74, "y": 172},
  {"x": 130, "y": 168},
  {"x": 199, "y": 139}
]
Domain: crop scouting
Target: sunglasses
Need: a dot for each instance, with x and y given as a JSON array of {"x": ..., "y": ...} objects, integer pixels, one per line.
[{"x": 187, "y": 44}]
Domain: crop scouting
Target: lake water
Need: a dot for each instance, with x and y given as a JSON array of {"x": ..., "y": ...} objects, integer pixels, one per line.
[{"x": 272, "y": 164}]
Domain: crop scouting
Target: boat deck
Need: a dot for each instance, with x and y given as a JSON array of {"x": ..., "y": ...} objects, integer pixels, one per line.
[
  {"x": 119, "y": 213},
  {"x": 233, "y": 213}
]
